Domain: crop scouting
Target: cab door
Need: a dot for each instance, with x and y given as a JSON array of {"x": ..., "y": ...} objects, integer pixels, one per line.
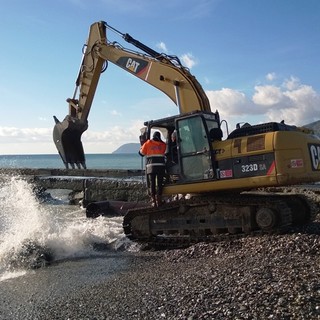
[{"x": 194, "y": 149}]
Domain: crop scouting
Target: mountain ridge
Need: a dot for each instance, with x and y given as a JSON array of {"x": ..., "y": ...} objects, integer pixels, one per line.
[
  {"x": 128, "y": 148},
  {"x": 314, "y": 126}
]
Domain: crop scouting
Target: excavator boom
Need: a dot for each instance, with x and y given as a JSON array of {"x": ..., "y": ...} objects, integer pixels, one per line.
[{"x": 165, "y": 73}]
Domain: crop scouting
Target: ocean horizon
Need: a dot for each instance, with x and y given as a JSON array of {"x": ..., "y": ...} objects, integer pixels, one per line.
[{"x": 93, "y": 161}]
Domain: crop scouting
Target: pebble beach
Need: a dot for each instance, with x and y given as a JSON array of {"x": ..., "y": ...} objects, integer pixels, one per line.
[{"x": 259, "y": 277}]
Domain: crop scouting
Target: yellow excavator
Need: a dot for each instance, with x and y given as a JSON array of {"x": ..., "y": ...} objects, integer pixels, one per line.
[{"x": 241, "y": 184}]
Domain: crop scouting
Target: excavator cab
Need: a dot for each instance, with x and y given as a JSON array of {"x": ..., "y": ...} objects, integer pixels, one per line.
[{"x": 190, "y": 156}]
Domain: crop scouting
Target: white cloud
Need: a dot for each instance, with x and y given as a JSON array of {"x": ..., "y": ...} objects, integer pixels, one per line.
[
  {"x": 207, "y": 80},
  {"x": 39, "y": 140},
  {"x": 230, "y": 102},
  {"x": 162, "y": 46},
  {"x": 271, "y": 76},
  {"x": 26, "y": 140},
  {"x": 11, "y": 134},
  {"x": 293, "y": 102},
  {"x": 109, "y": 140},
  {"x": 268, "y": 96},
  {"x": 292, "y": 83},
  {"x": 115, "y": 113},
  {"x": 188, "y": 60}
]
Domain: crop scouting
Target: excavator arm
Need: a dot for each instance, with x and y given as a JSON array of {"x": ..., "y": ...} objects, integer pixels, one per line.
[{"x": 164, "y": 72}]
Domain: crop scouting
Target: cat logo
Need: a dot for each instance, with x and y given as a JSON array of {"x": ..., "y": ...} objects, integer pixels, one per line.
[
  {"x": 132, "y": 65},
  {"x": 136, "y": 66},
  {"x": 315, "y": 156}
]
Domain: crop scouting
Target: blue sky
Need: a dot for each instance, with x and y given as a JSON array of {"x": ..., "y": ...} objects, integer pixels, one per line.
[{"x": 258, "y": 61}]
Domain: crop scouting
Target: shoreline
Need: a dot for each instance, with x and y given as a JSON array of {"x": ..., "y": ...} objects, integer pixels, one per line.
[{"x": 262, "y": 277}]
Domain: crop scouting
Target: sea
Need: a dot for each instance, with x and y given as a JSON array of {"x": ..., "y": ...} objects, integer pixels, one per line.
[
  {"x": 93, "y": 161},
  {"x": 31, "y": 227}
]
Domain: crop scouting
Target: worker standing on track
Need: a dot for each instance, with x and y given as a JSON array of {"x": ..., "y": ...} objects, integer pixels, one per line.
[{"x": 154, "y": 151}]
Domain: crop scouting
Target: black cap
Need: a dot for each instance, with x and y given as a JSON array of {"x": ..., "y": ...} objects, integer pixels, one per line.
[{"x": 156, "y": 136}]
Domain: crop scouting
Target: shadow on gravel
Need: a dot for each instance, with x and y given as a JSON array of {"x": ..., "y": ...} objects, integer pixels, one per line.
[{"x": 310, "y": 228}]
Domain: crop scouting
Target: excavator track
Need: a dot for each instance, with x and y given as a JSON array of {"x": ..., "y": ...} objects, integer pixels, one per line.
[{"x": 212, "y": 218}]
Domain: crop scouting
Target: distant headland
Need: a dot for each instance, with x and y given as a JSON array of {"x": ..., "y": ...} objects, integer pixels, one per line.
[{"x": 128, "y": 148}]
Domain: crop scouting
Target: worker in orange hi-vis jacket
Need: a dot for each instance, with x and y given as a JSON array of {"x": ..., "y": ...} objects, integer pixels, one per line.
[{"x": 154, "y": 151}]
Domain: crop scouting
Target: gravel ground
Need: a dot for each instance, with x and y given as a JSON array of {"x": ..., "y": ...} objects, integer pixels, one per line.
[{"x": 262, "y": 277}]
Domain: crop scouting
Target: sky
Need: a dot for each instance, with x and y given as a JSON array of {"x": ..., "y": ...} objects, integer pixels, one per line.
[{"x": 257, "y": 60}]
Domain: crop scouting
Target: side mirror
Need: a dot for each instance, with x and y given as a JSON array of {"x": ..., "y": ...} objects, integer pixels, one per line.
[
  {"x": 143, "y": 138},
  {"x": 215, "y": 134}
]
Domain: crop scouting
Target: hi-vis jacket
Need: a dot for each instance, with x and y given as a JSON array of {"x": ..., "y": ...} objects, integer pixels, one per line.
[{"x": 155, "y": 154}]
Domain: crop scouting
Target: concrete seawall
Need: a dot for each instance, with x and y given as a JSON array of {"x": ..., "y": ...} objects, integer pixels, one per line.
[
  {"x": 89, "y": 185},
  {"x": 114, "y": 173}
]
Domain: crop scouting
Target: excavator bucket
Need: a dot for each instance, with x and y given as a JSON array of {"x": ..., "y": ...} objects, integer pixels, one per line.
[{"x": 67, "y": 138}]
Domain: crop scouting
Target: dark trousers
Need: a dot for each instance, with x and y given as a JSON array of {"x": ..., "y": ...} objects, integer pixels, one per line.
[{"x": 155, "y": 183}]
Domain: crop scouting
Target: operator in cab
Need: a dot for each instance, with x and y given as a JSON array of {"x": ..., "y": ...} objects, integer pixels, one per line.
[{"x": 154, "y": 151}]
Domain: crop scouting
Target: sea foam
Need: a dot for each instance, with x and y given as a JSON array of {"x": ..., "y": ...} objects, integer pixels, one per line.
[{"x": 51, "y": 230}]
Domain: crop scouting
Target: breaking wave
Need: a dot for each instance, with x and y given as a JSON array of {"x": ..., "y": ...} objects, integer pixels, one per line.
[{"x": 35, "y": 233}]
